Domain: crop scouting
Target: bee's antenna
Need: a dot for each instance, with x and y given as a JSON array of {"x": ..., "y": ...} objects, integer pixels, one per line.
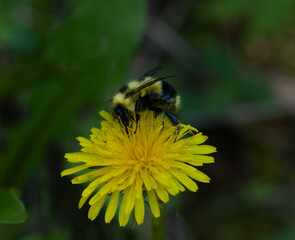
[
  {"x": 107, "y": 101},
  {"x": 147, "y": 85},
  {"x": 162, "y": 78}
]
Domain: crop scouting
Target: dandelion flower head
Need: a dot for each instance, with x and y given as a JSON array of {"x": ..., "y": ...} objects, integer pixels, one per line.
[{"x": 150, "y": 161}]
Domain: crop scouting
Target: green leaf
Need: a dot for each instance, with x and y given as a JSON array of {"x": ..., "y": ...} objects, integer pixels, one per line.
[{"x": 12, "y": 210}]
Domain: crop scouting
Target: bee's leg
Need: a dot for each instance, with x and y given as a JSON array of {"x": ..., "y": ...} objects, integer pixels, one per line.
[
  {"x": 173, "y": 118},
  {"x": 139, "y": 107},
  {"x": 137, "y": 110},
  {"x": 121, "y": 114},
  {"x": 157, "y": 112}
]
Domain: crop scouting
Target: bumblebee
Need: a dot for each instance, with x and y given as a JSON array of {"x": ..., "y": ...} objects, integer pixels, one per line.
[{"x": 146, "y": 93}]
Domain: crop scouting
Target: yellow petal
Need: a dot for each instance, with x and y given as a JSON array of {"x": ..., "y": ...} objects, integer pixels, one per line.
[
  {"x": 112, "y": 174},
  {"x": 153, "y": 202},
  {"x": 145, "y": 177},
  {"x": 163, "y": 178},
  {"x": 112, "y": 207},
  {"x": 138, "y": 187},
  {"x": 130, "y": 201},
  {"x": 139, "y": 210},
  {"x": 154, "y": 185},
  {"x": 197, "y": 139},
  {"x": 123, "y": 217},
  {"x": 203, "y": 159},
  {"x": 73, "y": 170},
  {"x": 197, "y": 175},
  {"x": 95, "y": 208},
  {"x": 91, "y": 187},
  {"x": 84, "y": 142},
  {"x": 105, "y": 115},
  {"x": 192, "y": 172},
  {"x": 180, "y": 187},
  {"x": 82, "y": 201},
  {"x": 193, "y": 129},
  {"x": 96, "y": 198},
  {"x": 96, "y": 134},
  {"x": 174, "y": 187},
  {"x": 183, "y": 130},
  {"x": 196, "y": 160},
  {"x": 89, "y": 158},
  {"x": 104, "y": 190},
  {"x": 90, "y": 175},
  {"x": 185, "y": 180},
  {"x": 162, "y": 194},
  {"x": 203, "y": 149},
  {"x": 115, "y": 146}
]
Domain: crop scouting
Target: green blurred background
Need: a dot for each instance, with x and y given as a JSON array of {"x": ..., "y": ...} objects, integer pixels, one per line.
[{"x": 235, "y": 67}]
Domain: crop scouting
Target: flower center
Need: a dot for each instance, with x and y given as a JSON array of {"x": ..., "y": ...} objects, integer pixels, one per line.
[
  {"x": 143, "y": 155},
  {"x": 144, "y": 162}
]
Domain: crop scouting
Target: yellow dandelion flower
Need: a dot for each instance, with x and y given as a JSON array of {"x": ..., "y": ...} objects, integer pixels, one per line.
[{"x": 153, "y": 160}]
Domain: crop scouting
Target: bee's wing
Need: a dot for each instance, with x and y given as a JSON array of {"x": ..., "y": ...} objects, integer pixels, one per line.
[
  {"x": 153, "y": 81},
  {"x": 150, "y": 73}
]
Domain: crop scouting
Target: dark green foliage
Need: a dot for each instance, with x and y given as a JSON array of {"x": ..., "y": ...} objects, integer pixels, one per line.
[
  {"x": 86, "y": 50},
  {"x": 234, "y": 62},
  {"x": 265, "y": 17}
]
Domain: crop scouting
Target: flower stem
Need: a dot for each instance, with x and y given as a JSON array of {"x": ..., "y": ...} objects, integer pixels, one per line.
[{"x": 158, "y": 225}]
